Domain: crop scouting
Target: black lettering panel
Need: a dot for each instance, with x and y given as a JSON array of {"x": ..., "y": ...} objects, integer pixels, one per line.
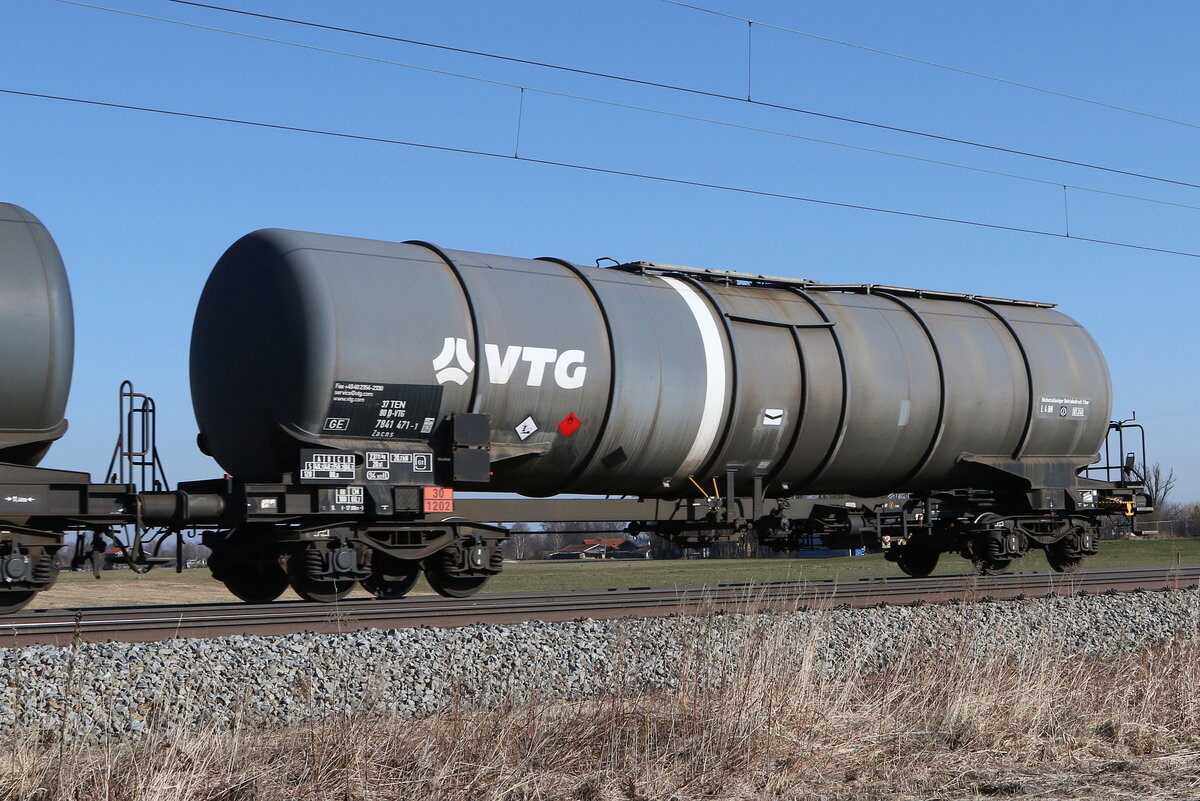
[{"x": 382, "y": 411}]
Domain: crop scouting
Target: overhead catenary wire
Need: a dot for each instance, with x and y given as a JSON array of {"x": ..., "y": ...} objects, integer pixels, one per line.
[
  {"x": 689, "y": 90},
  {"x": 935, "y": 64},
  {"x": 594, "y": 169},
  {"x": 627, "y": 106}
]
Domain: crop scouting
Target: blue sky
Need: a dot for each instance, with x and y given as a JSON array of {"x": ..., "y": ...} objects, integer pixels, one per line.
[{"x": 142, "y": 205}]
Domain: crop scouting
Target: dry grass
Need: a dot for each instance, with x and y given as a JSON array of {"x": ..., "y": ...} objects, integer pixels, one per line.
[
  {"x": 159, "y": 586},
  {"x": 778, "y": 723}
]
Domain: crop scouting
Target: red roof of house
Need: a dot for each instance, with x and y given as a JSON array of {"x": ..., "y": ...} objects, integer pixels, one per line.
[{"x": 615, "y": 542}]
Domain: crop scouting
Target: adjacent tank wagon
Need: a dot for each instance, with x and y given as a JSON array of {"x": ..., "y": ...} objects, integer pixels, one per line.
[{"x": 37, "y": 506}]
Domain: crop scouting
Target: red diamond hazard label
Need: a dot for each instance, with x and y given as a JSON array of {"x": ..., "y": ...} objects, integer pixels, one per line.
[{"x": 569, "y": 425}]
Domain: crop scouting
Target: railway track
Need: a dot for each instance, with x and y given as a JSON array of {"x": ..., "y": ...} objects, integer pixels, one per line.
[{"x": 153, "y": 623}]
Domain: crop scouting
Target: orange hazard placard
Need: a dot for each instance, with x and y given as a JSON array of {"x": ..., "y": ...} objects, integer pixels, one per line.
[{"x": 439, "y": 499}]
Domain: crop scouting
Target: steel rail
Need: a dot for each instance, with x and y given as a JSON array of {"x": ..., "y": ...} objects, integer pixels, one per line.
[{"x": 154, "y": 623}]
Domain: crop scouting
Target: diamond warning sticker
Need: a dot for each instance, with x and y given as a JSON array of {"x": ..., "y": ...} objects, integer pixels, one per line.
[
  {"x": 569, "y": 425},
  {"x": 526, "y": 428}
]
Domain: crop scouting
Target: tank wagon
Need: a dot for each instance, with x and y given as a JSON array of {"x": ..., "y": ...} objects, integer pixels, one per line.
[
  {"x": 350, "y": 388},
  {"x": 370, "y": 380}
]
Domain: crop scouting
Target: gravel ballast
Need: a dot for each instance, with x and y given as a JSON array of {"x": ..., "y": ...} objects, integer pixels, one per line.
[{"x": 93, "y": 690}]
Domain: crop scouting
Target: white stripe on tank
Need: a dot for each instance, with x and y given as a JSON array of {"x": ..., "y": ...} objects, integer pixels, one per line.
[{"x": 714, "y": 380}]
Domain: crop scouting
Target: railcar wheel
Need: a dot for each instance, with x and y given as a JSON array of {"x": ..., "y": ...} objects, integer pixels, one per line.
[
  {"x": 991, "y": 567},
  {"x": 324, "y": 592},
  {"x": 248, "y": 566},
  {"x": 988, "y": 548},
  {"x": 916, "y": 562},
  {"x": 390, "y": 578},
  {"x": 1061, "y": 560},
  {"x": 311, "y": 589},
  {"x": 446, "y": 584},
  {"x": 254, "y": 585},
  {"x": 14, "y": 600}
]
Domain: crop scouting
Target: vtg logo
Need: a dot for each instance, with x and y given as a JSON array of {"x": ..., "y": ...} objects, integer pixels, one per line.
[
  {"x": 455, "y": 364},
  {"x": 453, "y": 348}
]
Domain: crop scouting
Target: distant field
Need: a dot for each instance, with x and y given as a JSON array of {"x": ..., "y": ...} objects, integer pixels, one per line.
[{"x": 121, "y": 588}]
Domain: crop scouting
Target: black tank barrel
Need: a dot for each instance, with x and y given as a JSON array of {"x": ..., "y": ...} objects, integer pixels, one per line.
[{"x": 644, "y": 380}]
